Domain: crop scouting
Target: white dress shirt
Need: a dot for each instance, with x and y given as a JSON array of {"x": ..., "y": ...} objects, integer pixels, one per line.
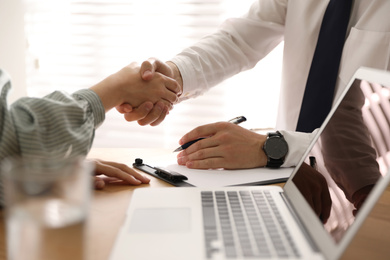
[{"x": 241, "y": 42}]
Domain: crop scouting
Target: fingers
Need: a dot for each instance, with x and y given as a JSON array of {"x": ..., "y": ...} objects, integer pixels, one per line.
[
  {"x": 162, "y": 87},
  {"x": 152, "y": 65},
  {"x": 98, "y": 183},
  {"x": 147, "y": 114},
  {"x": 210, "y": 163},
  {"x": 124, "y": 108},
  {"x": 207, "y": 153},
  {"x": 198, "y": 149},
  {"x": 118, "y": 171},
  {"x": 161, "y": 118},
  {"x": 156, "y": 115},
  {"x": 169, "y": 96},
  {"x": 140, "y": 112},
  {"x": 173, "y": 86},
  {"x": 208, "y": 158},
  {"x": 101, "y": 181},
  {"x": 200, "y": 131}
]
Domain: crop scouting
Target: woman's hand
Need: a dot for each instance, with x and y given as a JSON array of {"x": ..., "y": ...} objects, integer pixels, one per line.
[{"x": 107, "y": 172}]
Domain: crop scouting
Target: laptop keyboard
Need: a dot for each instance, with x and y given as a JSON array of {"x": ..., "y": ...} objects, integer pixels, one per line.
[{"x": 245, "y": 224}]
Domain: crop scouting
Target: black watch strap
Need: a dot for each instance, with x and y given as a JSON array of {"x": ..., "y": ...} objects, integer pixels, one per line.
[
  {"x": 274, "y": 163},
  {"x": 277, "y": 133}
]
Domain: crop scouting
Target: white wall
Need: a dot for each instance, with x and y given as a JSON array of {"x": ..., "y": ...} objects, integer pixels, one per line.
[{"x": 13, "y": 45}]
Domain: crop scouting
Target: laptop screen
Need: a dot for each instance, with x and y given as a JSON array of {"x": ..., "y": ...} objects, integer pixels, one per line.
[{"x": 349, "y": 157}]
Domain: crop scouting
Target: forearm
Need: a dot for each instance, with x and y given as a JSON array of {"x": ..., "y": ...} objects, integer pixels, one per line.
[
  {"x": 52, "y": 126},
  {"x": 238, "y": 45},
  {"x": 208, "y": 63},
  {"x": 109, "y": 92}
]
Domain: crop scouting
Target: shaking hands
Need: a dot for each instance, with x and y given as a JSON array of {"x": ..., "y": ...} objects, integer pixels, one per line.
[{"x": 154, "y": 73}]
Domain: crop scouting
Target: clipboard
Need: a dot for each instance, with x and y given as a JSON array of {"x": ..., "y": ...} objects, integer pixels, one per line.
[{"x": 171, "y": 177}]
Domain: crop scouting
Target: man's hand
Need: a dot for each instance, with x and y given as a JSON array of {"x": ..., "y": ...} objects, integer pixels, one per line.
[
  {"x": 227, "y": 146},
  {"x": 148, "y": 70},
  {"x": 108, "y": 172}
]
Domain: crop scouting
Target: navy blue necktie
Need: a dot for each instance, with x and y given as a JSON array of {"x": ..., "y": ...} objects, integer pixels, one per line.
[{"x": 320, "y": 85}]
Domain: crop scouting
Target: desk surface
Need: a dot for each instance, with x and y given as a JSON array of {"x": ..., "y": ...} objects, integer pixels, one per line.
[{"x": 109, "y": 205}]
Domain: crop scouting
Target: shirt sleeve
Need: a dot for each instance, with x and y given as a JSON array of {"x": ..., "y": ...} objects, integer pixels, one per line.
[
  {"x": 297, "y": 145},
  {"x": 238, "y": 45},
  {"x": 55, "y": 125}
]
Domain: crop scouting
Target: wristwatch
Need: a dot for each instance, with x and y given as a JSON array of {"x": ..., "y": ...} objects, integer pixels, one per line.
[{"x": 275, "y": 148}]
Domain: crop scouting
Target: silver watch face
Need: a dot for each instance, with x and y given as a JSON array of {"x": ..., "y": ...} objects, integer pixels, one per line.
[{"x": 276, "y": 147}]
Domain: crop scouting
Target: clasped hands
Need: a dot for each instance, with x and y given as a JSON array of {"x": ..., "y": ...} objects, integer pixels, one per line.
[
  {"x": 146, "y": 94},
  {"x": 149, "y": 112}
]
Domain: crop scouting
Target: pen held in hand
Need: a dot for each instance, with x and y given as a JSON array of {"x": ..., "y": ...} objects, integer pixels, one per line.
[
  {"x": 235, "y": 120},
  {"x": 186, "y": 145}
]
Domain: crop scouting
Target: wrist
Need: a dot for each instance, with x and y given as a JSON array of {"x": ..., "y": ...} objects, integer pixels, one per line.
[
  {"x": 263, "y": 156},
  {"x": 275, "y": 148},
  {"x": 176, "y": 74},
  {"x": 107, "y": 90}
]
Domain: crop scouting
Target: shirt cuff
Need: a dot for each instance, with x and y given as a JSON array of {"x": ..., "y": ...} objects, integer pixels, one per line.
[
  {"x": 297, "y": 145},
  {"x": 190, "y": 82},
  {"x": 95, "y": 104}
]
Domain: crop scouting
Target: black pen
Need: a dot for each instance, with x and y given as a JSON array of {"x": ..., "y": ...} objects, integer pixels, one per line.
[{"x": 235, "y": 120}]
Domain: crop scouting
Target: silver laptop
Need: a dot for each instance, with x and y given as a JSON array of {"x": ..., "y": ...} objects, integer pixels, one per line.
[{"x": 314, "y": 216}]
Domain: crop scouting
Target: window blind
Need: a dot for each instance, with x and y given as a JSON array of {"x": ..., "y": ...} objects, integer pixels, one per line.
[{"x": 74, "y": 44}]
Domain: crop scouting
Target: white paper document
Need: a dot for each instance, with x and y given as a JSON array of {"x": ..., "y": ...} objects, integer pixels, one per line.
[{"x": 220, "y": 177}]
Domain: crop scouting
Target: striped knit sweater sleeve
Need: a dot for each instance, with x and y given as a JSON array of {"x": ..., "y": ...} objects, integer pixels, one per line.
[{"x": 58, "y": 124}]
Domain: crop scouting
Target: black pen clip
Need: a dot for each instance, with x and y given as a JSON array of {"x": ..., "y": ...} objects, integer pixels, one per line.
[{"x": 170, "y": 175}]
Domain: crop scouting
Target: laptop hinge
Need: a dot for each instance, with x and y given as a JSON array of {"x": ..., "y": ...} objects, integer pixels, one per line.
[{"x": 300, "y": 224}]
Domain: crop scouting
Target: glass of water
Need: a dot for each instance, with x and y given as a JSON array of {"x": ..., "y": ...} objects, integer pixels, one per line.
[{"x": 46, "y": 203}]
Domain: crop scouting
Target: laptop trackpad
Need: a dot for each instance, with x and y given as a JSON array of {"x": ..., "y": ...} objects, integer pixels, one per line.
[{"x": 161, "y": 220}]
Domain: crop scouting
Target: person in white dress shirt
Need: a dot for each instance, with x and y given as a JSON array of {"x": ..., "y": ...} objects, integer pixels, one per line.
[{"x": 238, "y": 44}]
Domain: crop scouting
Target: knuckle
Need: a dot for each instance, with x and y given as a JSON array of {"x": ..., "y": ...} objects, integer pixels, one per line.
[
  {"x": 209, "y": 164},
  {"x": 159, "y": 76},
  {"x": 142, "y": 122},
  {"x": 221, "y": 125},
  {"x": 196, "y": 132},
  {"x": 123, "y": 166},
  {"x": 201, "y": 153},
  {"x": 146, "y": 63}
]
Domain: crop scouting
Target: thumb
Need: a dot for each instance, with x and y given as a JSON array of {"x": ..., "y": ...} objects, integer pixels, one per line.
[
  {"x": 147, "y": 70},
  {"x": 140, "y": 112},
  {"x": 124, "y": 108},
  {"x": 152, "y": 65}
]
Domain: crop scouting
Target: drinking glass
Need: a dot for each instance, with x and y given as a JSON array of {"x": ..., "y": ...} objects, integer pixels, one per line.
[{"x": 46, "y": 202}]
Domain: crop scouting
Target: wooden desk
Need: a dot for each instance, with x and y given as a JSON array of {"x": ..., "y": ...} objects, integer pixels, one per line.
[{"x": 108, "y": 206}]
